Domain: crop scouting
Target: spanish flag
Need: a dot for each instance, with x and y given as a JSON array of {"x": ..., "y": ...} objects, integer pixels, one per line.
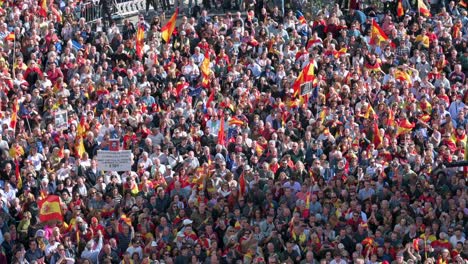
[
  {"x": 57, "y": 14},
  {"x": 306, "y": 75},
  {"x": 49, "y": 209},
  {"x": 81, "y": 129},
  {"x": 341, "y": 52},
  {"x": 300, "y": 17},
  {"x": 463, "y": 3},
  {"x": 423, "y": 9},
  {"x": 80, "y": 135},
  {"x": 400, "y": 9},
  {"x": 168, "y": 29},
  {"x": 10, "y": 37},
  {"x": 43, "y": 9},
  {"x": 234, "y": 121},
  {"x": 391, "y": 118},
  {"x": 404, "y": 127},
  {"x": 126, "y": 219},
  {"x": 140, "y": 41},
  {"x": 377, "y": 140},
  {"x": 242, "y": 184},
  {"x": 377, "y": 34},
  {"x": 370, "y": 112},
  {"x": 259, "y": 150},
  {"x": 313, "y": 42},
  {"x": 14, "y": 114},
  {"x": 206, "y": 71},
  {"x": 221, "y": 133},
  {"x": 403, "y": 76},
  {"x": 19, "y": 180},
  {"x": 210, "y": 98}
]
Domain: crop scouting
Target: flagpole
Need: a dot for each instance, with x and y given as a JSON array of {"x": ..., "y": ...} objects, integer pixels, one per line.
[
  {"x": 14, "y": 56},
  {"x": 417, "y": 7}
]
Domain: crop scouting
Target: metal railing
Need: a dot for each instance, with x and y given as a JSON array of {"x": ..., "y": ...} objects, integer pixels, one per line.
[{"x": 91, "y": 11}]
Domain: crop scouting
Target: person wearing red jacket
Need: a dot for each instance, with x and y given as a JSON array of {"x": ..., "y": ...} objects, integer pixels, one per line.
[
  {"x": 54, "y": 73},
  {"x": 33, "y": 73}
]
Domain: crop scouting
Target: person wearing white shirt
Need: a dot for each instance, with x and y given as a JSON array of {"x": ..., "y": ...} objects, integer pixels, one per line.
[
  {"x": 135, "y": 248},
  {"x": 213, "y": 124},
  {"x": 51, "y": 248},
  {"x": 36, "y": 158},
  {"x": 456, "y": 107},
  {"x": 9, "y": 193},
  {"x": 197, "y": 56},
  {"x": 92, "y": 249},
  {"x": 191, "y": 70},
  {"x": 337, "y": 259}
]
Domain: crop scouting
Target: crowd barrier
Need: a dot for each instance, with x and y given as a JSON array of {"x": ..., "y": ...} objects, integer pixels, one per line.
[{"x": 92, "y": 11}]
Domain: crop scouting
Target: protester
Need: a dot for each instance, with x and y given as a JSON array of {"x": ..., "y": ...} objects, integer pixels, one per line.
[{"x": 277, "y": 136}]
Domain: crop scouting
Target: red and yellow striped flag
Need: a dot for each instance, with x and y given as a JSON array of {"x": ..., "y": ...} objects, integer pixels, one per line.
[
  {"x": 341, "y": 52},
  {"x": 49, "y": 209},
  {"x": 423, "y": 9},
  {"x": 43, "y": 9},
  {"x": 234, "y": 121},
  {"x": 377, "y": 34},
  {"x": 306, "y": 75},
  {"x": 403, "y": 76},
  {"x": 19, "y": 180},
  {"x": 140, "y": 41},
  {"x": 10, "y": 37},
  {"x": 391, "y": 118},
  {"x": 206, "y": 71},
  {"x": 168, "y": 29},
  {"x": 370, "y": 112},
  {"x": 377, "y": 140},
  {"x": 14, "y": 114},
  {"x": 404, "y": 127},
  {"x": 80, "y": 135}
]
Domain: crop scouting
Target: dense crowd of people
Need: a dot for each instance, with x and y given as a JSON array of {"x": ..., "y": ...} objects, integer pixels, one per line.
[{"x": 239, "y": 155}]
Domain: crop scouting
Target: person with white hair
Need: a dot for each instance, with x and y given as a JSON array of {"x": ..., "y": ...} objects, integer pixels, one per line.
[{"x": 92, "y": 249}]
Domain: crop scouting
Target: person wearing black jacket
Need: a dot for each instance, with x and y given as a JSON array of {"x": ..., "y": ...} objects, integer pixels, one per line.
[{"x": 106, "y": 10}]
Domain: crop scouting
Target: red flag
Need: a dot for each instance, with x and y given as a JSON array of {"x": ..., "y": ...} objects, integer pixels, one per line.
[
  {"x": 416, "y": 244},
  {"x": 43, "y": 9},
  {"x": 221, "y": 135},
  {"x": 210, "y": 99},
  {"x": 49, "y": 209},
  {"x": 10, "y": 37},
  {"x": 391, "y": 118},
  {"x": 140, "y": 37},
  {"x": 400, "y": 9},
  {"x": 242, "y": 184},
  {"x": 168, "y": 29},
  {"x": 181, "y": 86},
  {"x": 377, "y": 137}
]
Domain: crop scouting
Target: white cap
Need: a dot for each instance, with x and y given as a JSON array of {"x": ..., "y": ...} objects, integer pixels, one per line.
[{"x": 187, "y": 222}]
